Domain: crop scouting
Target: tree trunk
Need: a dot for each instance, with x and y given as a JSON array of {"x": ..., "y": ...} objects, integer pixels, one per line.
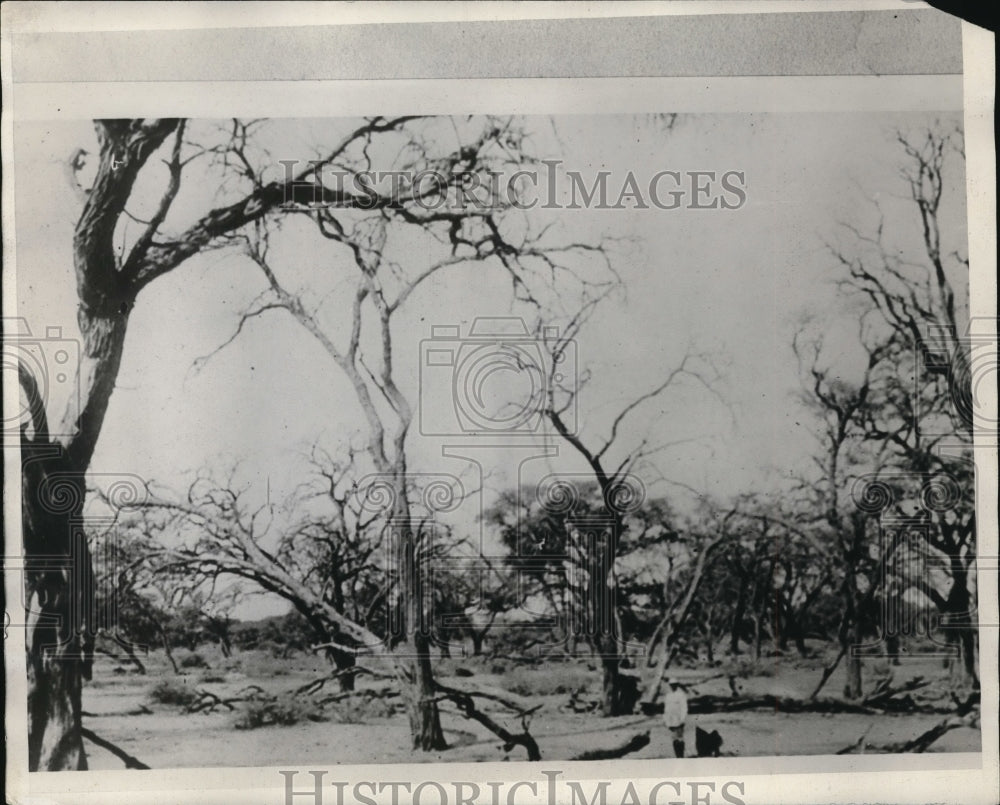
[
  {"x": 58, "y": 583},
  {"x": 793, "y": 630},
  {"x": 961, "y": 633},
  {"x": 59, "y": 639},
  {"x": 853, "y": 687},
  {"x": 739, "y": 612},
  {"x": 127, "y": 648},
  {"x": 165, "y": 639},
  {"x": 345, "y": 662},
  {"x": 425, "y": 719},
  {"x": 477, "y": 642},
  {"x": 417, "y": 675},
  {"x": 604, "y": 630},
  {"x": 893, "y": 647},
  {"x": 610, "y": 687},
  {"x": 655, "y": 683}
]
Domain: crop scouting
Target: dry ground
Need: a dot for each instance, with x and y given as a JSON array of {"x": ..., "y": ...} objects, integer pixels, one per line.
[{"x": 171, "y": 738}]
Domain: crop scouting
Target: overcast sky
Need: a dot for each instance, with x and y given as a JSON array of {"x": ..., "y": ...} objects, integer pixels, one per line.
[{"x": 734, "y": 284}]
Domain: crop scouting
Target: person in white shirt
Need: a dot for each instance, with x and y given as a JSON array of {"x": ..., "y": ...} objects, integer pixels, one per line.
[{"x": 675, "y": 710}]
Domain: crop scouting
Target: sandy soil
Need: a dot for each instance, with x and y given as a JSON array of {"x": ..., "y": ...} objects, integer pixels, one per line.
[{"x": 170, "y": 738}]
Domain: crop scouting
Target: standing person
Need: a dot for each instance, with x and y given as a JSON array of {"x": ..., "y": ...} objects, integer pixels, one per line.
[{"x": 675, "y": 710}]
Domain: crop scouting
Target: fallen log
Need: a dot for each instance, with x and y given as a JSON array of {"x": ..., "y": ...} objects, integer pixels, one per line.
[
  {"x": 728, "y": 704},
  {"x": 510, "y": 701},
  {"x": 633, "y": 744},
  {"x": 141, "y": 710}
]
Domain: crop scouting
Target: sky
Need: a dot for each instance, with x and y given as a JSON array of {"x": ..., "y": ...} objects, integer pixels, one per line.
[{"x": 732, "y": 284}]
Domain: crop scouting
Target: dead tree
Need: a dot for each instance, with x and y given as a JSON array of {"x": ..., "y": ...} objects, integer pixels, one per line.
[
  {"x": 924, "y": 410},
  {"x": 56, "y": 452},
  {"x": 363, "y": 245},
  {"x": 621, "y": 493},
  {"x": 841, "y": 409}
]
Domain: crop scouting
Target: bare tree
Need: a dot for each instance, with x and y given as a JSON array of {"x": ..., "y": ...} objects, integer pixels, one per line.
[
  {"x": 364, "y": 245},
  {"x": 55, "y": 458},
  {"x": 841, "y": 408},
  {"x": 922, "y": 408},
  {"x": 611, "y": 463}
]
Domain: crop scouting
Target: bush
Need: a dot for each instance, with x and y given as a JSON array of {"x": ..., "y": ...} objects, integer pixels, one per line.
[
  {"x": 358, "y": 709},
  {"x": 170, "y": 691},
  {"x": 259, "y": 663},
  {"x": 193, "y": 660},
  {"x": 283, "y": 711}
]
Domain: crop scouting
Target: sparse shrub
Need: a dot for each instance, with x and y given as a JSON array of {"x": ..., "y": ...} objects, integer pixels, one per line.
[
  {"x": 213, "y": 676},
  {"x": 260, "y": 663},
  {"x": 171, "y": 691},
  {"x": 193, "y": 660},
  {"x": 358, "y": 709},
  {"x": 283, "y": 711}
]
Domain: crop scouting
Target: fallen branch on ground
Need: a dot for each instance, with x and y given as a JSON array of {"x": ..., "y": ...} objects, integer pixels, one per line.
[
  {"x": 317, "y": 684},
  {"x": 964, "y": 708},
  {"x": 333, "y": 698},
  {"x": 782, "y": 704},
  {"x": 514, "y": 703},
  {"x": 142, "y": 710},
  {"x": 858, "y": 747},
  {"x": 633, "y": 744},
  {"x": 828, "y": 672},
  {"x": 729, "y": 704},
  {"x": 886, "y": 697},
  {"x": 964, "y": 718},
  {"x": 208, "y": 702},
  {"x": 467, "y": 705},
  {"x": 130, "y": 761},
  {"x": 128, "y": 657},
  {"x": 924, "y": 741}
]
